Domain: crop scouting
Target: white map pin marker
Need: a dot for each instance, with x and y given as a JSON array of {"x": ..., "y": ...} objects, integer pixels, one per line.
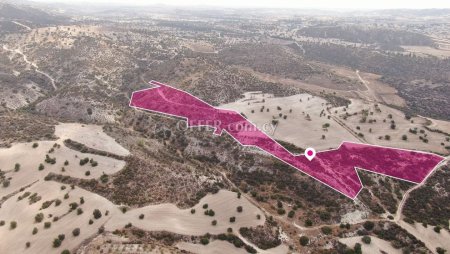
[{"x": 310, "y": 153}]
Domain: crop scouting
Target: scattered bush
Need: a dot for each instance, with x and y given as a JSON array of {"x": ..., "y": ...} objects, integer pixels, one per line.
[
  {"x": 141, "y": 216},
  {"x": 97, "y": 214},
  {"x": 308, "y": 223},
  {"x": 49, "y": 160},
  {"x": 76, "y": 232},
  {"x": 239, "y": 209},
  {"x": 56, "y": 243},
  {"x": 204, "y": 241},
  {"x": 39, "y": 217},
  {"x": 47, "y": 224},
  {"x": 84, "y": 161},
  {"x": 214, "y": 222},
  {"x": 192, "y": 211},
  {"x": 357, "y": 248},
  {"x": 6, "y": 183},
  {"x": 291, "y": 214},
  {"x": 12, "y": 224},
  {"x": 250, "y": 249},
  {"x": 104, "y": 178},
  {"x": 232, "y": 219},
  {"x": 210, "y": 212},
  {"x": 366, "y": 239},
  {"x": 326, "y": 230},
  {"x": 440, "y": 250},
  {"x": 304, "y": 240},
  {"x": 368, "y": 225},
  {"x": 35, "y": 231},
  {"x": 73, "y": 206}
]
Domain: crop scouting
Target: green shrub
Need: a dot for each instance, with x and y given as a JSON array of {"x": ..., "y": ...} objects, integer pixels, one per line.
[
  {"x": 12, "y": 224},
  {"x": 56, "y": 243},
  {"x": 84, "y": 161},
  {"x": 366, "y": 239},
  {"x": 308, "y": 223},
  {"x": 39, "y": 217},
  {"x": 440, "y": 250},
  {"x": 368, "y": 225},
  {"x": 250, "y": 249},
  {"x": 204, "y": 241},
  {"x": 76, "y": 232},
  {"x": 291, "y": 214},
  {"x": 326, "y": 230},
  {"x": 304, "y": 240},
  {"x": 97, "y": 214},
  {"x": 73, "y": 206}
]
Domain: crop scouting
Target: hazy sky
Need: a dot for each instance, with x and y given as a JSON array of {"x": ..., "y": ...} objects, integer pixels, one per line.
[{"x": 328, "y": 4}]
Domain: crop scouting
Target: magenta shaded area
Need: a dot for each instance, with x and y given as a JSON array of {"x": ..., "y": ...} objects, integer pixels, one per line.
[{"x": 335, "y": 168}]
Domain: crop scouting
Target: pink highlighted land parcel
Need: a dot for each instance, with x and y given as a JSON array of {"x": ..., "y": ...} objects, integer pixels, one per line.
[{"x": 335, "y": 168}]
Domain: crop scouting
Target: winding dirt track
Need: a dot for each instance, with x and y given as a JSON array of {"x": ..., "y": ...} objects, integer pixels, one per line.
[{"x": 25, "y": 58}]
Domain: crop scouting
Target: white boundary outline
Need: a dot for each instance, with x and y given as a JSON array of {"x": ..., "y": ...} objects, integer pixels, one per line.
[{"x": 157, "y": 84}]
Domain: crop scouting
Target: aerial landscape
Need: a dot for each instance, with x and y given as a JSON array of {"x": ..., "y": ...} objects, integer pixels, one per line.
[{"x": 153, "y": 128}]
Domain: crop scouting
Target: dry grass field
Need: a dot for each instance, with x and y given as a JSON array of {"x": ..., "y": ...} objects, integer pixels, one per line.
[
  {"x": 64, "y": 208},
  {"x": 308, "y": 116},
  {"x": 304, "y": 124},
  {"x": 377, "y": 245}
]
